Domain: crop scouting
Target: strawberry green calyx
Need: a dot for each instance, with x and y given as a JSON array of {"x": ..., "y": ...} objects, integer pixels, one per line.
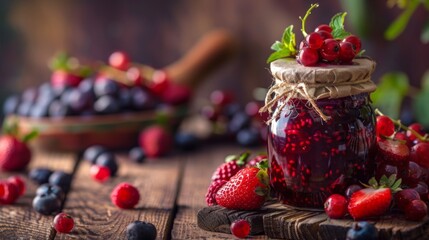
[
  {"x": 263, "y": 178},
  {"x": 240, "y": 160},
  {"x": 304, "y": 19},
  {"x": 29, "y": 136},
  {"x": 11, "y": 128},
  {"x": 385, "y": 182}
]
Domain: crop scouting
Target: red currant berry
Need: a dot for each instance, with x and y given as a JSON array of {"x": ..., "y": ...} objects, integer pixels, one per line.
[
  {"x": 134, "y": 74},
  {"x": 221, "y": 98},
  {"x": 385, "y": 126},
  {"x": 19, "y": 183},
  {"x": 323, "y": 27},
  {"x": 346, "y": 52},
  {"x": 325, "y": 35},
  {"x": 401, "y": 136},
  {"x": 352, "y": 189},
  {"x": 308, "y": 56},
  {"x": 63, "y": 223},
  {"x": 100, "y": 173},
  {"x": 330, "y": 50},
  {"x": 355, "y": 41},
  {"x": 303, "y": 44},
  {"x": 240, "y": 228},
  {"x": 416, "y": 210},
  {"x": 119, "y": 60},
  {"x": 420, "y": 154},
  {"x": 417, "y": 127},
  {"x": 314, "y": 40},
  {"x": 404, "y": 197},
  {"x": 159, "y": 82},
  {"x": 125, "y": 196},
  {"x": 336, "y": 206}
]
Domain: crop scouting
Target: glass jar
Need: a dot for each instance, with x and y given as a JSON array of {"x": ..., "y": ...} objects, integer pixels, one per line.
[{"x": 310, "y": 159}]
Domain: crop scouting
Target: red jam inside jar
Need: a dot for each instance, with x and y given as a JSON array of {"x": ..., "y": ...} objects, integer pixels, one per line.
[{"x": 310, "y": 159}]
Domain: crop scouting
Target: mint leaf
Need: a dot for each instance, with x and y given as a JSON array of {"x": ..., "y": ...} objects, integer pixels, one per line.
[
  {"x": 288, "y": 39},
  {"x": 279, "y": 54},
  {"x": 277, "y": 46},
  {"x": 337, "y": 25}
]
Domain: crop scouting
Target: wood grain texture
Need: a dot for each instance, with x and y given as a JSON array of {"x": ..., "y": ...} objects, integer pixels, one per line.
[
  {"x": 97, "y": 218},
  {"x": 20, "y": 221},
  {"x": 196, "y": 179},
  {"x": 282, "y": 222}
]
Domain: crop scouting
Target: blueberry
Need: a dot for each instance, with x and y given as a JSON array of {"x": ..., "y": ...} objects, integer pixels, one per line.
[
  {"x": 248, "y": 137},
  {"x": 125, "y": 98},
  {"x": 104, "y": 87},
  {"x": 106, "y": 105},
  {"x": 107, "y": 159},
  {"x": 93, "y": 152},
  {"x": 10, "y": 105},
  {"x": 78, "y": 100},
  {"x": 87, "y": 86},
  {"x": 137, "y": 155},
  {"x": 141, "y": 99},
  {"x": 140, "y": 230},
  {"x": 57, "y": 109},
  {"x": 61, "y": 179},
  {"x": 29, "y": 95},
  {"x": 49, "y": 189},
  {"x": 362, "y": 231},
  {"x": 39, "y": 110},
  {"x": 240, "y": 120},
  {"x": 40, "y": 175},
  {"x": 186, "y": 141},
  {"x": 47, "y": 204},
  {"x": 46, "y": 94},
  {"x": 24, "y": 108}
]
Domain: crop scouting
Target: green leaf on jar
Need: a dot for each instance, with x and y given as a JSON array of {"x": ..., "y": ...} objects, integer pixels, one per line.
[
  {"x": 337, "y": 25},
  {"x": 392, "y": 89}
]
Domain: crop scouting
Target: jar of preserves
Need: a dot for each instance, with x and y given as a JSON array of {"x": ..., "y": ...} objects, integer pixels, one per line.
[{"x": 322, "y": 130}]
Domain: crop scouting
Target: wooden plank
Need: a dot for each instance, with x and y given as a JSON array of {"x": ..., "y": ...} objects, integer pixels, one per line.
[
  {"x": 19, "y": 220},
  {"x": 198, "y": 170},
  {"x": 97, "y": 217},
  {"x": 282, "y": 222}
]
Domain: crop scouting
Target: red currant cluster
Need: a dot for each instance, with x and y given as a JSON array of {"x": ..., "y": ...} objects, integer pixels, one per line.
[{"x": 320, "y": 46}]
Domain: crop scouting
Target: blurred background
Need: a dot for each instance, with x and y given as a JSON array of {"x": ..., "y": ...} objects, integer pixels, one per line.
[{"x": 159, "y": 32}]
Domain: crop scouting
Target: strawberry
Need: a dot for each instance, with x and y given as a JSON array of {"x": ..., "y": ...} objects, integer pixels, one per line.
[
  {"x": 14, "y": 152},
  {"x": 246, "y": 190},
  {"x": 374, "y": 200},
  {"x": 394, "y": 151},
  {"x": 254, "y": 161},
  {"x": 155, "y": 141},
  {"x": 232, "y": 165}
]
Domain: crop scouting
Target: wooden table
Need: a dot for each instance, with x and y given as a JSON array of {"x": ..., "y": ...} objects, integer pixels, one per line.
[{"x": 172, "y": 192}]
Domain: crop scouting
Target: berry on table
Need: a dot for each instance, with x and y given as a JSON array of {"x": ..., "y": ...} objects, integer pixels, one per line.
[
  {"x": 14, "y": 153},
  {"x": 63, "y": 223},
  {"x": 40, "y": 175},
  {"x": 416, "y": 210},
  {"x": 99, "y": 173},
  {"x": 385, "y": 126},
  {"x": 212, "y": 190},
  {"x": 232, "y": 165},
  {"x": 61, "y": 179},
  {"x": 136, "y": 154},
  {"x": 155, "y": 141},
  {"x": 240, "y": 228},
  {"x": 336, "y": 206},
  {"x": 47, "y": 204},
  {"x": 186, "y": 141},
  {"x": 48, "y": 189},
  {"x": 141, "y": 230},
  {"x": 362, "y": 231},
  {"x": 404, "y": 197},
  {"x": 108, "y": 159},
  {"x": 125, "y": 196},
  {"x": 119, "y": 60},
  {"x": 308, "y": 56},
  {"x": 19, "y": 183},
  {"x": 93, "y": 152},
  {"x": 9, "y": 192}
]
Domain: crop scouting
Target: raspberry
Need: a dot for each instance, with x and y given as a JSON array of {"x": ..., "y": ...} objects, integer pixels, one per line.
[
  {"x": 9, "y": 192},
  {"x": 212, "y": 190},
  {"x": 125, "y": 196},
  {"x": 63, "y": 223},
  {"x": 240, "y": 228},
  {"x": 19, "y": 183},
  {"x": 100, "y": 173}
]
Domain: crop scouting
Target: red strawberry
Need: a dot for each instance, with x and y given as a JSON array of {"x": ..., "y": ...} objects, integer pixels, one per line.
[
  {"x": 254, "y": 161},
  {"x": 211, "y": 192},
  {"x": 374, "y": 200},
  {"x": 232, "y": 165},
  {"x": 244, "y": 191},
  {"x": 14, "y": 154},
  {"x": 394, "y": 151},
  {"x": 61, "y": 78},
  {"x": 155, "y": 141}
]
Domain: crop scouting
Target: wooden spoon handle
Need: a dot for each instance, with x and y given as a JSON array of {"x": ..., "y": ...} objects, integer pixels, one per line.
[{"x": 210, "y": 52}]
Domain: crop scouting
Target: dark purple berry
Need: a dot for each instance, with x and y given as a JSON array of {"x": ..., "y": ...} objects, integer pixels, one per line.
[
  {"x": 107, "y": 159},
  {"x": 141, "y": 230},
  {"x": 106, "y": 105},
  {"x": 40, "y": 175},
  {"x": 61, "y": 179},
  {"x": 137, "y": 155},
  {"x": 47, "y": 204},
  {"x": 93, "y": 152},
  {"x": 186, "y": 141}
]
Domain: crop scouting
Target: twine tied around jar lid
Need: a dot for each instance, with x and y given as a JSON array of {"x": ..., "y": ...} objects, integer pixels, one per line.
[{"x": 293, "y": 80}]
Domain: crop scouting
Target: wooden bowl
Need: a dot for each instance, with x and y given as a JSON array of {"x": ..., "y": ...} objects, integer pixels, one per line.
[{"x": 116, "y": 132}]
